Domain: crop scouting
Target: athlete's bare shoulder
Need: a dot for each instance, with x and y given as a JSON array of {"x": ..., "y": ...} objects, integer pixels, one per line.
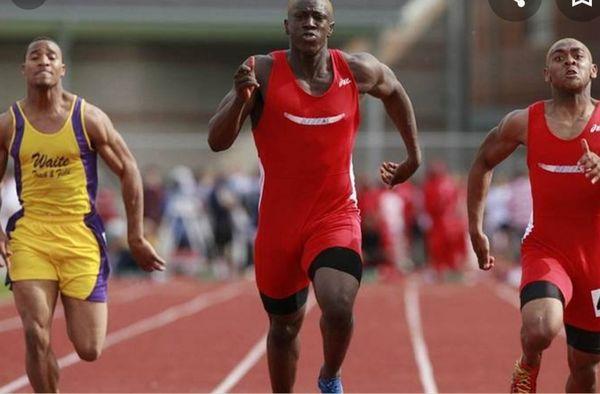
[
  {"x": 514, "y": 126},
  {"x": 371, "y": 75},
  {"x": 360, "y": 61},
  {"x": 263, "y": 62},
  {"x": 97, "y": 123},
  {"x": 363, "y": 65},
  {"x": 93, "y": 115},
  {"x": 262, "y": 69},
  {"x": 6, "y": 129}
]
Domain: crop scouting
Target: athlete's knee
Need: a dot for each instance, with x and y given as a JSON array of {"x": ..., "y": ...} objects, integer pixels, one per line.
[
  {"x": 284, "y": 330},
  {"x": 583, "y": 376},
  {"x": 37, "y": 336},
  {"x": 540, "y": 329},
  {"x": 89, "y": 352},
  {"x": 583, "y": 366},
  {"x": 584, "y": 370},
  {"x": 336, "y": 296},
  {"x": 338, "y": 311},
  {"x": 88, "y": 348}
]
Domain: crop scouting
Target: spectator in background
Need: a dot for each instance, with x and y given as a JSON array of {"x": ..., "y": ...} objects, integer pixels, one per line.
[
  {"x": 10, "y": 202},
  {"x": 222, "y": 201},
  {"x": 8, "y": 195},
  {"x": 116, "y": 233},
  {"x": 441, "y": 195},
  {"x": 497, "y": 215},
  {"x": 154, "y": 195},
  {"x": 411, "y": 197},
  {"x": 373, "y": 242},
  {"x": 106, "y": 205},
  {"x": 183, "y": 233},
  {"x": 520, "y": 208},
  {"x": 391, "y": 206},
  {"x": 205, "y": 184}
]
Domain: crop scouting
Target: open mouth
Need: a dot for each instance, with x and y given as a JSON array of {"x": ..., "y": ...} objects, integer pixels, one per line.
[
  {"x": 572, "y": 73},
  {"x": 309, "y": 36}
]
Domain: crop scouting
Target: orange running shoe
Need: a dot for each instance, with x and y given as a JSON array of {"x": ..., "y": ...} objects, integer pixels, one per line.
[{"x": 524, "y": 378}]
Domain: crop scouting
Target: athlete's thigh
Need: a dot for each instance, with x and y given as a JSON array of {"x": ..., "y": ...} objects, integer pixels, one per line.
[
  {"x": 277, "y": 265},
  {"x": 582, "y": 315},
  {"x": 80, "y": 253},
  {"x": 334, "y": 242},
  {"x": 579, "y": 359},
  {"x": 30, "y": 258},
  {"x": 334, "y": 288},
  {"x": 86, "y": 321},
  {"x": 544, "y": 275},
  {"x": 35, "y": 301}
]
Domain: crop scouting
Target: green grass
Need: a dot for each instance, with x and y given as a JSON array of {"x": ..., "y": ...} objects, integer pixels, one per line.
[{"x": 4, "y": 292}]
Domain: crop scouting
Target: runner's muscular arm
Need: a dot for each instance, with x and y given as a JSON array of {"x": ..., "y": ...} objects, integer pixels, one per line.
[
  {"x": 500, "y": 143},
  {"x": 239, "y": 102},
  {"x": 378, "y": 80},
  {"x": 6, "y": 133},
  {"x": 113, "y": 150}
]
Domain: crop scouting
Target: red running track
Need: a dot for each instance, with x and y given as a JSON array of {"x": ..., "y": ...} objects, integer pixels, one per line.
[{"x": 189, "y": 336}]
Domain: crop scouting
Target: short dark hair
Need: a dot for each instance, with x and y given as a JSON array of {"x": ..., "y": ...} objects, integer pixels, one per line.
[{"x": 41, "y": 38}]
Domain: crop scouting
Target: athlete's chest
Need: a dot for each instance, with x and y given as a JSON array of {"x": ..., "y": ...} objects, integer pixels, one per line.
[
  {"x": 58, "y": 149},
  {"x": 317, "y": 86},
  {"x": 48, "y": 124},
  {"x": 291, "y": 98},
  {"x": 568, "y": 130}
]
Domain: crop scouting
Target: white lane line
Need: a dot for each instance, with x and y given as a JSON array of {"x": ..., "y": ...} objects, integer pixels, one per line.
[
  {"x": 255, "y": 354},
  {"x": 413, "y": 318},
  {"x": 9, "y": 324},
  {"x": 130, "y": 291},
  {"x": 159, "y": 320},
  {"x": 120, "y": 297},
  {"x": 511, "y": 295},
  {"x": 14, "y": 323}
]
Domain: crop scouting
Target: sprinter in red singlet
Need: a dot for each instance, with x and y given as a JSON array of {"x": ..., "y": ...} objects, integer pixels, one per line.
[
  {"x": 560, "y": 253},
  {"x": 303, "y": 103}
]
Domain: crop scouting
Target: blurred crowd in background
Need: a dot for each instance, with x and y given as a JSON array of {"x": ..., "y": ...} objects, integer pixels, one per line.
[
  {"x": 204, "y": 223},
  {"x": 146, "y": 65}
]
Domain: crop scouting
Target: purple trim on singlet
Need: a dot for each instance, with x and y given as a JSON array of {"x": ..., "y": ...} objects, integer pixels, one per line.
[
  {"x": 88, "y": 156},
  {"x": 16, "y": 147},
  {"x": 12, "y": 222},
  {"x": 10, "y": 226},
  {"x": 100, "y": 291}
]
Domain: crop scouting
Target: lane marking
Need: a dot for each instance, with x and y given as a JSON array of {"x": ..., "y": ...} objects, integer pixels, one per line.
[
  {"x": 122, "y": 296},
  {"x": 154, "y": 322},
  {"x": 12, "y": 323},
  {"x": 413, "y": 319},
  {"x": 255, "y": 354}
]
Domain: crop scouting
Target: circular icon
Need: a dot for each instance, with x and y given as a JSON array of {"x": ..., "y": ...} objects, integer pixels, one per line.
[
  {"x": 28, "y": 4},
  {"x": 579, "y": 10},
  {"x": 515, "y": 10}
]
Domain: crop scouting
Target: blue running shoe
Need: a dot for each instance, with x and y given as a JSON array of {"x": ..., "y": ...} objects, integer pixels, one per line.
[{"x": 333, "y": 385}]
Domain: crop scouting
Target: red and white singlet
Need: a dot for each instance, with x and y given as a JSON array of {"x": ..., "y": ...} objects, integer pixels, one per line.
[
  {"x": 308, "y": 199},
  {"x": 562, "y": 242}
]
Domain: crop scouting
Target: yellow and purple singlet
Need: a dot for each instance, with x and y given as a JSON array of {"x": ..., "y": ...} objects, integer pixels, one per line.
[{"x": 57, "y": 235}]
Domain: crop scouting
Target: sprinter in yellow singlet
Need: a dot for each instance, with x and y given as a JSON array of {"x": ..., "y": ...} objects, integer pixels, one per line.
[{"x": 55, "y": 244}]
